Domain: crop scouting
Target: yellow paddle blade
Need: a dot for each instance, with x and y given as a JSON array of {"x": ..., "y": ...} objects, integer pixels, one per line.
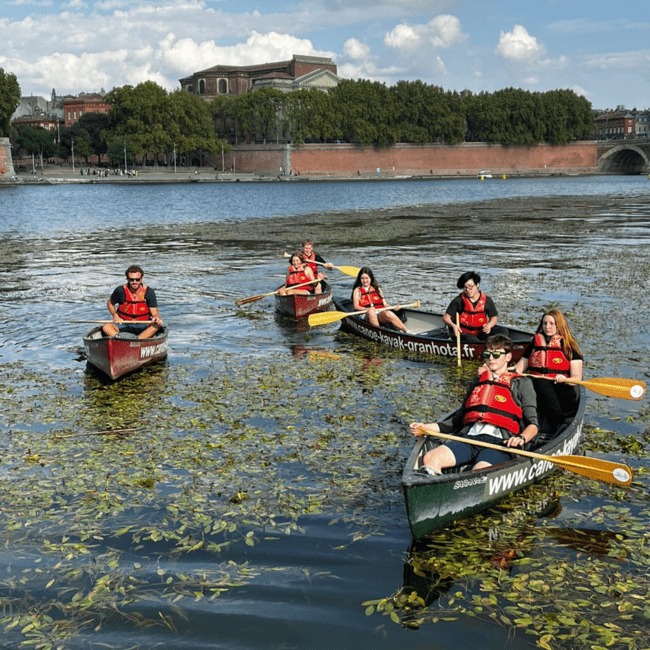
[
  {"x": 325, "y": 317},
  {"x": 602, "y": 470},
  {"x": 615, "y": 387},
  {"x": 349, "y": 270}
]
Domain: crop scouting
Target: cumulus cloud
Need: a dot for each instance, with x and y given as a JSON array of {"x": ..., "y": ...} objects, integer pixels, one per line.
[
  {"x": 441, "y": 32},
  {"x": 519, "y": 45},
  {"x": 355, "y": 49}
]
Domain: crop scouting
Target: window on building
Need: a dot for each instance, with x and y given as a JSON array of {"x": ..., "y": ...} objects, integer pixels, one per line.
[
  {"x": 202, "y": 87},
  {"x": 223, "y": 87}
]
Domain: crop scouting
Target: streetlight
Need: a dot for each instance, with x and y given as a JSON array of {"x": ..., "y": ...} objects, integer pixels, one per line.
[
  {"x": 72, "y": 146},
  {"x": 174, "y": 157},
  {"x": 125, "y": 169}
]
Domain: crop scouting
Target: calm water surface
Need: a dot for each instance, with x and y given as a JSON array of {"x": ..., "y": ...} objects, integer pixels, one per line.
[{"x": 65, "y": 247}]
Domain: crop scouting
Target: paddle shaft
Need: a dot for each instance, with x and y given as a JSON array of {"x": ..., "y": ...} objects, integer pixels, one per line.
[
  {"x": 325, "y": 317},
  {"x": 458, "y": 339},
  {"x": 609, "y": 386},
  {"x": 592, "y": 467},
  {"x": 103, "y": 322},
  {"x": 272, "y": 293},
  {"x": 348, "y": 270}
]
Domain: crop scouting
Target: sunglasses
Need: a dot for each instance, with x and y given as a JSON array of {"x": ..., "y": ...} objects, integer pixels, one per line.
[
  {"x": 493, "y": 353},
  {"x": 135, "y": 279}
]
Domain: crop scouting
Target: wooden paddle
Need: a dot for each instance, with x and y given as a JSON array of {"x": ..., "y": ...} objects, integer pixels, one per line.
[
  {"x": 102, "y": 322},
  {"x": 245, "y": 301},
  {"x": 601, "y": 470},
  {"x": 325, "y": 317},
  {"x": 348, "y": 270},
  {"x": 458, "y": 337},
  {"x": 610, "y": 386}
]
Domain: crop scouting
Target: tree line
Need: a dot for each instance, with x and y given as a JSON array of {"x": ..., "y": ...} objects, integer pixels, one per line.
[
  {"x": 371, "y": 113},
  {"x": 147, "y": 120}
]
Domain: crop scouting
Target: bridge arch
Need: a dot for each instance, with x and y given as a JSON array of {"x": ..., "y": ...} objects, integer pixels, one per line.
[{"x": 625, "y": 159}]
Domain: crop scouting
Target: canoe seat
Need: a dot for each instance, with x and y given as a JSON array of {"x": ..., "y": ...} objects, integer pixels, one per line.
[{"x": 126, "y": 335}]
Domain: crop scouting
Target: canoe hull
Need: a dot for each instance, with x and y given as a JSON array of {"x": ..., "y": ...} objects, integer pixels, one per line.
[
  {"x": 117, "y": 356},
  {"x": 298, "y": 306},
  {"x": 430, "y": 338},
  {"x": 434, "y": 502}
]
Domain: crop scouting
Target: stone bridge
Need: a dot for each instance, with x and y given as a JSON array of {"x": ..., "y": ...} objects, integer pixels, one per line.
[{"x": 624, "y": 156}]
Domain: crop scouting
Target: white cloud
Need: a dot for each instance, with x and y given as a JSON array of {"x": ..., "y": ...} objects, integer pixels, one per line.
[
  {"x": 519, "y": 45},
  {"x": 355, "y": 49},
  {"x": 441, "y": 32}
]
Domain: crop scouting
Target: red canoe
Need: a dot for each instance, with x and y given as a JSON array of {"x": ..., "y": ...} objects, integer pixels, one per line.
[
  {"x": 116, "y": 356},
  {"x": 299, "y": 306}
]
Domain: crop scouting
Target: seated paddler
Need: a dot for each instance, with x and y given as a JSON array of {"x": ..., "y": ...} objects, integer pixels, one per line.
[
  {"x": 500, "y": 407},
  {"x": 133, "y": 307},
  {"x": 476, "y": 312},
  {"x": 298, "y": 275}
]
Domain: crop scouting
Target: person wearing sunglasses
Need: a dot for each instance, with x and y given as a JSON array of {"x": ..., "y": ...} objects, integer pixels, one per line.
[
  {"x": 131, "y": 305},
  {"x": 554, "y": 354},
  {"x": 476, "y": 311},
  {"x": 499, "y": 407}
]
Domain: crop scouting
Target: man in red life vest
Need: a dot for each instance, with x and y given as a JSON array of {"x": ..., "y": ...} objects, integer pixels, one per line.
[
  {"x": 500, "y": 407},
  {"x": 476, "y": 311},
  {"x": 309, "y": 257},
  {"x": 133, "y": 302}
]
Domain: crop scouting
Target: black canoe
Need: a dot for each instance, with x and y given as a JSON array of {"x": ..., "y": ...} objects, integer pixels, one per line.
[
  {"x": 429, "y": 335},
  {"x": 433, "y": 502}
]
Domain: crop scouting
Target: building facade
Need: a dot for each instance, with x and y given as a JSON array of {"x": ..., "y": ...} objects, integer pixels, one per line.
[
  {"x": 298, "y": 72},
  {"x": 75, "y": 107}
]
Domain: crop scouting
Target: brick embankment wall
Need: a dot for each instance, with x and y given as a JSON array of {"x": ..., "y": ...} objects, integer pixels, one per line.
[
  {"x": 6, "y": 163},
  {"x": 415, "y": 160}
]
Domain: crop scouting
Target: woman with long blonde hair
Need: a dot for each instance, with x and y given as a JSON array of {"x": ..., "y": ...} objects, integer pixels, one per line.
[{"x": 553, "y": 354}]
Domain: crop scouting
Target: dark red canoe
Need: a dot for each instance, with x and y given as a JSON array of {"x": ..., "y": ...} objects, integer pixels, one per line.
[
  {"x": 299, "y": 306},
  {"x": 119, "y": 355}
]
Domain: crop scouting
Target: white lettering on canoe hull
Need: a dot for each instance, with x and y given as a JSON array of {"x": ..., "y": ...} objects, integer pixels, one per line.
[
  {"x": 325, "y": 301},
  {"x": 153, "y": 350},
  {"x": 418, "y": 347},
  {"x": 511, "y": 479}
]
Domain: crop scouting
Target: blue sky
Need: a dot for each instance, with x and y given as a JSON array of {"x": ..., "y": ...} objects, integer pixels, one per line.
[{"x": 83, "y": 46}]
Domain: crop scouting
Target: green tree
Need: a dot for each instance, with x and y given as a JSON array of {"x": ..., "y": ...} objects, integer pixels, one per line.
[
  {"x": 311, "y": 116},
  {"x": 36, "y": 141},
  {"x": 190, "y": 125},
  {"x": 95, "y": 126},
  {"x": 77, "y": 136},
  {"x": 365, "y": 110},
  {"x": 9, "y": 100},
  {"x": 141, "y": 115}
]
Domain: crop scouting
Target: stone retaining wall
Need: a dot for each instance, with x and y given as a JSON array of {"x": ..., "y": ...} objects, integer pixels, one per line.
[{"x": 6, "y": 163}]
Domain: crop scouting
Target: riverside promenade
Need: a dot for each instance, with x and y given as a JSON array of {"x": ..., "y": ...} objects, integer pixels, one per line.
[{"x": 54, "y": 174}]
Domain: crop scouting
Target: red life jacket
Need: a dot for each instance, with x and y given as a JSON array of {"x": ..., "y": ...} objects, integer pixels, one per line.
[
  {"x": 135, "y": 307},
  {"x": 492, "y": 402},
  {"x": 548, "y": 359},
  {"x": 370, "y": 297},
  {"x": 309, "y": 262},
  {"x": 298, "y": 277},
  {"x": 473, "y": 317}
]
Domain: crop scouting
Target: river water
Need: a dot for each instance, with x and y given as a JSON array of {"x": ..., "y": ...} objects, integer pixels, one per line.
[{"x": 246, "y": 493}]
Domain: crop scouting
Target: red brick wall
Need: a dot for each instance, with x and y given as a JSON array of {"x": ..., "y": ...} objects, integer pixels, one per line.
[{"x": 441, "y": 160}]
